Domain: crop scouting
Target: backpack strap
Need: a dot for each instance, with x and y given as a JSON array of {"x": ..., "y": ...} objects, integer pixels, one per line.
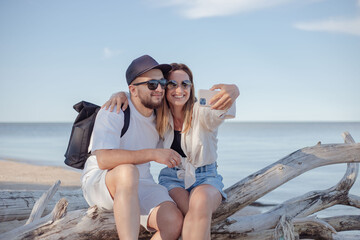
[{"x": 126, "y": 121}]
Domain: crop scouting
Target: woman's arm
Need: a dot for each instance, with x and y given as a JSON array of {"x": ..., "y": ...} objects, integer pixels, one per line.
[
  {"x": 222, "y": 107},
  {"x": 117, "y": 99},
  {"x": 226, "y": 97}
]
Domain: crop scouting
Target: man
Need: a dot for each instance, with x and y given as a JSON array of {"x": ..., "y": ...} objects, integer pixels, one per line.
[{"x": 117, "y": 175}]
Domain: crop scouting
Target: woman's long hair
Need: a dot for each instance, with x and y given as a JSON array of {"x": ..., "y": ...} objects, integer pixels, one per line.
[{"x": 162, "y": 122}]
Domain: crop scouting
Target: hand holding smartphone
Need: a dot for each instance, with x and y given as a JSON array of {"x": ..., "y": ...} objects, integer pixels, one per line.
[{"x": 204, "y": 97}]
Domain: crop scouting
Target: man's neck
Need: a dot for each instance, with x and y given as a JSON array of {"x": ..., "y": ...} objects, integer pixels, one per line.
[{"x": 146, "y": 112}]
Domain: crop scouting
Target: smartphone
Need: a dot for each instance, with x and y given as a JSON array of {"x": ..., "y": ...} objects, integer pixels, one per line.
[{"x": 204, "y": 97}]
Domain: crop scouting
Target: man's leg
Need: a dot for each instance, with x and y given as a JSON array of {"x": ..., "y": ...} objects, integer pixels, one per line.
[
  {"x": 122, "y": 183},
  {"x": 204, "y": 200},
  {"x": 167, "y": 219}
]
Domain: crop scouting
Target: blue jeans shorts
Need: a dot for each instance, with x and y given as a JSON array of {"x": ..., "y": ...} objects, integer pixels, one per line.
[{"x": 204, "y": 175}]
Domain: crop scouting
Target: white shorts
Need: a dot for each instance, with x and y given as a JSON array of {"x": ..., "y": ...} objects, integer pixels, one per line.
[{"x": 96, "y": 192}]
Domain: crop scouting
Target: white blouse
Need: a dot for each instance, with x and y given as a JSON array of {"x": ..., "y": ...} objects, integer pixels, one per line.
[{"x": 200, "y": 142}]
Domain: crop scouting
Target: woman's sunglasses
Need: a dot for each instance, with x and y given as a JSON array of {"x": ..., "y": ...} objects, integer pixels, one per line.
[
  {"x": 172, "y": 84},
  {"x": 153, "y": 83}
]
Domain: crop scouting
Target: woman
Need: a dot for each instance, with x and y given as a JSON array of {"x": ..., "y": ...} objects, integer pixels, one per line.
[{"x": 191, "y": 130}]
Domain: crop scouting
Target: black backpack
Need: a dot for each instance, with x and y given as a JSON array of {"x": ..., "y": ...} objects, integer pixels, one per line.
[{"x": 77, "y": 151}]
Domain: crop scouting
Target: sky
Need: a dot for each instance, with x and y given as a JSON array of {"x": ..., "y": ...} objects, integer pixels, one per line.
[{"x": 292, "y": 60}]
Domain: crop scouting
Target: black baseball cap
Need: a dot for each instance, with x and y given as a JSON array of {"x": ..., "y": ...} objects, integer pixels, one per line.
[{"x": 142, "y": 65}]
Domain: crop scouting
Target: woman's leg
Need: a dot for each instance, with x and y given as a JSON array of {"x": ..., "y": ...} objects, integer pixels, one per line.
[
  {"x": 181, "y": 198},
  {"x": 204, "y": 200}
]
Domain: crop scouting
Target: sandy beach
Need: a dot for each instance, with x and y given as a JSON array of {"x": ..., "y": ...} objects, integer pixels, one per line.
[{"x": 22, "y": 176}]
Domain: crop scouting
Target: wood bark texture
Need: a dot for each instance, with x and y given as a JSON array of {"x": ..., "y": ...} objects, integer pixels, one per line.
[{"x": 290, "y": 220}]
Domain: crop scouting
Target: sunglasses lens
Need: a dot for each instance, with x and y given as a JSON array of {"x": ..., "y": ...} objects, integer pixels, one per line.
[
  {"x": 152, "y": 84},
  {"x": 186, "y": 84},
  {"x": 171, "y": 84},
  {"x": 163, "y": 83}
]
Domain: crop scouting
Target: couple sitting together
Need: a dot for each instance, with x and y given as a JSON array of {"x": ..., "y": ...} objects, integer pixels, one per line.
[{"x": 180, "y": 134}]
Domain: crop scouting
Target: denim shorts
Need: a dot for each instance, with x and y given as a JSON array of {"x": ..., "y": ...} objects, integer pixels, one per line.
[{"x": 204, "y": 175}]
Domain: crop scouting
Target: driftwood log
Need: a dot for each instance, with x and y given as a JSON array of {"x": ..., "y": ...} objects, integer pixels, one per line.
[
  {"x": 292, "y": 219},
  {"x": 17, "y": 205}
]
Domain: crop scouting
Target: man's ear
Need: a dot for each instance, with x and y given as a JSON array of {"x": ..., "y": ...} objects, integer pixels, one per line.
[{"x": 133, "y": 90}]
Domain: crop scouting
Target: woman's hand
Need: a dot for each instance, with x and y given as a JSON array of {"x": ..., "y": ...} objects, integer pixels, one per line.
[
  {"x": 167, "y": 157},
  {"x": 117, "y": 99},
  {"x": 225, "y": 98}
]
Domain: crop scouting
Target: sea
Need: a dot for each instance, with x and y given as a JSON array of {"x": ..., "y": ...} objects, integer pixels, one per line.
[{"x": 243, "y": 149}]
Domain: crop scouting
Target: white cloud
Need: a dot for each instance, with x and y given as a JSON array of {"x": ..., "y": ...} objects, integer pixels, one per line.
[
  {"x": 349, "y": 26},
  {"x": 194, "y": 9},
  {"x": 211, "y": 8},
  {"x": 108, "y": 53}
]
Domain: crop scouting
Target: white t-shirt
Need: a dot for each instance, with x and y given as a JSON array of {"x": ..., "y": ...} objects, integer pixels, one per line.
[{"x": 141, "y": 133}]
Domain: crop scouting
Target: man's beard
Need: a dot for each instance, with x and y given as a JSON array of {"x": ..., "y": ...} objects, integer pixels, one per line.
[{"x": 150, "y": 104}]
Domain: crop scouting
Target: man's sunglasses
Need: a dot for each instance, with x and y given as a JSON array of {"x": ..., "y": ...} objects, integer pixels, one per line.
[
  {"x": 153, "y": 83},
  {"x": 172, "y": 84}
]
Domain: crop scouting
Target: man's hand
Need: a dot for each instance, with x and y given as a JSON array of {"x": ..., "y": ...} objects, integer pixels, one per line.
[
  {"x": 225, "y": 98},
  {"x": 117, "y": 99},
  {"x": 168, "y": 157}
]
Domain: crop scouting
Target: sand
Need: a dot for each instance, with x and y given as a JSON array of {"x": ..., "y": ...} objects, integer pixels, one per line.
[
  {"x": 16, "y": 176},
  {"x": 23, "y": 176}
]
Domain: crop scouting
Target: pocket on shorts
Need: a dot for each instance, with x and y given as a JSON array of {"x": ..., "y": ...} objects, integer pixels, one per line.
[
  {"x": 167, "y": 172},
  {"x": 164, "y": 174}
]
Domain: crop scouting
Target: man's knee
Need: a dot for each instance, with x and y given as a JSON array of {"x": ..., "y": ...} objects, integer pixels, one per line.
[{"x": 124, "y": 176}]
